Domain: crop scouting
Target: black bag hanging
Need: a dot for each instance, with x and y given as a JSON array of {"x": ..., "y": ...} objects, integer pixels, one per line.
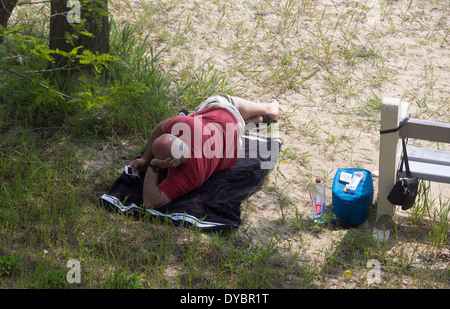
[{"x": 405, "y": 189}]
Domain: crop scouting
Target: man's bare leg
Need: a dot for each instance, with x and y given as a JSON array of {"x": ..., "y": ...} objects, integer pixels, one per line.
[{"x": 254, "y": 111}]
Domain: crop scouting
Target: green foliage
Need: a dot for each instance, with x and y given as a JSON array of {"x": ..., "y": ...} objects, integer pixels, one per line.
[
  {"x": 120, "y": 280},
  {"x": 7, "y": 265},
  {"x": 132, "y": 95},
  {"x": 125, "y": 83},
  {"x": 86, "y": 57},
  {"x": 35, "y": 45},
  {"x": 50, "y": 277},
  {"x": 97, "y": 60}
]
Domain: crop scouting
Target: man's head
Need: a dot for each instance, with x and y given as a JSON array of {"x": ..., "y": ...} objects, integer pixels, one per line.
[{"x": 169, "y": 146}]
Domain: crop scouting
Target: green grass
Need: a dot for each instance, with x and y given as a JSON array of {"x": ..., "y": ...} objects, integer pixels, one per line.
[
  {"x": 50, "y": 210},
  {"x": 57, "y": 156}
]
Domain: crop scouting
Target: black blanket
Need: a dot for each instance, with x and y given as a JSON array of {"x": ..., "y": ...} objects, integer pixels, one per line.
[{"x": 214, "y": 205}]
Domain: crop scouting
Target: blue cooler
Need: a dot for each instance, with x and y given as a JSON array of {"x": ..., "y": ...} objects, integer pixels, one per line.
[{"x": 350, "y": 204}]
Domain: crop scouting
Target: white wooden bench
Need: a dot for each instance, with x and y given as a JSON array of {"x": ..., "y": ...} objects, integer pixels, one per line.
[{"x": 425, "y": 164}]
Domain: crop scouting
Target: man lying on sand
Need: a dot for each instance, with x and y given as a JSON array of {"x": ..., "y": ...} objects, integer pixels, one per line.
[{"x": 196, "y": 146}]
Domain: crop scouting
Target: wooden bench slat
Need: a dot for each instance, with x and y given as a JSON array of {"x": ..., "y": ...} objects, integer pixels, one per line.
[
  {"x": 426, "y": 130},
  {"x": 429, "y": 171},
  {"x": 427, "y": 155}
]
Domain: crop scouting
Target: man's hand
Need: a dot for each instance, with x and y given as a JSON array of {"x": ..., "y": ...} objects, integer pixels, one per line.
[
  {"x": 168, "y": 162},
  {"x": 139, "y": 164}
]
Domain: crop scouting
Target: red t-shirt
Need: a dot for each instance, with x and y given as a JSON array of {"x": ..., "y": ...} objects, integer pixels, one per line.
[{"x": 213, "y": 137}]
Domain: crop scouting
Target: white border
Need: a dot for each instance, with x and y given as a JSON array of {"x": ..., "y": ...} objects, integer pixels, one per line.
[{"x": 174, "y": 216}]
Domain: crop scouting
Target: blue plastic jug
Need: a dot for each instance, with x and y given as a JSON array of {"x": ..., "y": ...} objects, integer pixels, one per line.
[{"x": 351, "y": 207}]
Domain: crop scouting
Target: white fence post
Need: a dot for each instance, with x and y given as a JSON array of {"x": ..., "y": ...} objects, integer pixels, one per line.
[{"x": 392, "y": 112}]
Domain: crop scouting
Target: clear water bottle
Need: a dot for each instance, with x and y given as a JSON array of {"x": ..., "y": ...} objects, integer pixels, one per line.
[{"x": 318, "y": 199}]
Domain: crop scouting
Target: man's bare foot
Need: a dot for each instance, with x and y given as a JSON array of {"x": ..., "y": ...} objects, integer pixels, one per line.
[{"x": 272, "y": 111}]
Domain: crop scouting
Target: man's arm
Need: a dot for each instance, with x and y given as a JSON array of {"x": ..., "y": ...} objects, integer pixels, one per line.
[
  {"x": 142, "y": 163},
  {"x": 153, "y": 196}
]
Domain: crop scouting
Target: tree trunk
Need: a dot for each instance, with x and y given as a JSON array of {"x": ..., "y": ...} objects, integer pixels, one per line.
[
  {"x": 98, "y": 25},
  {"x": 6, "y": 8},
  {"x": 59, "y": 26},
  {"x": 94, "y": 21}
]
